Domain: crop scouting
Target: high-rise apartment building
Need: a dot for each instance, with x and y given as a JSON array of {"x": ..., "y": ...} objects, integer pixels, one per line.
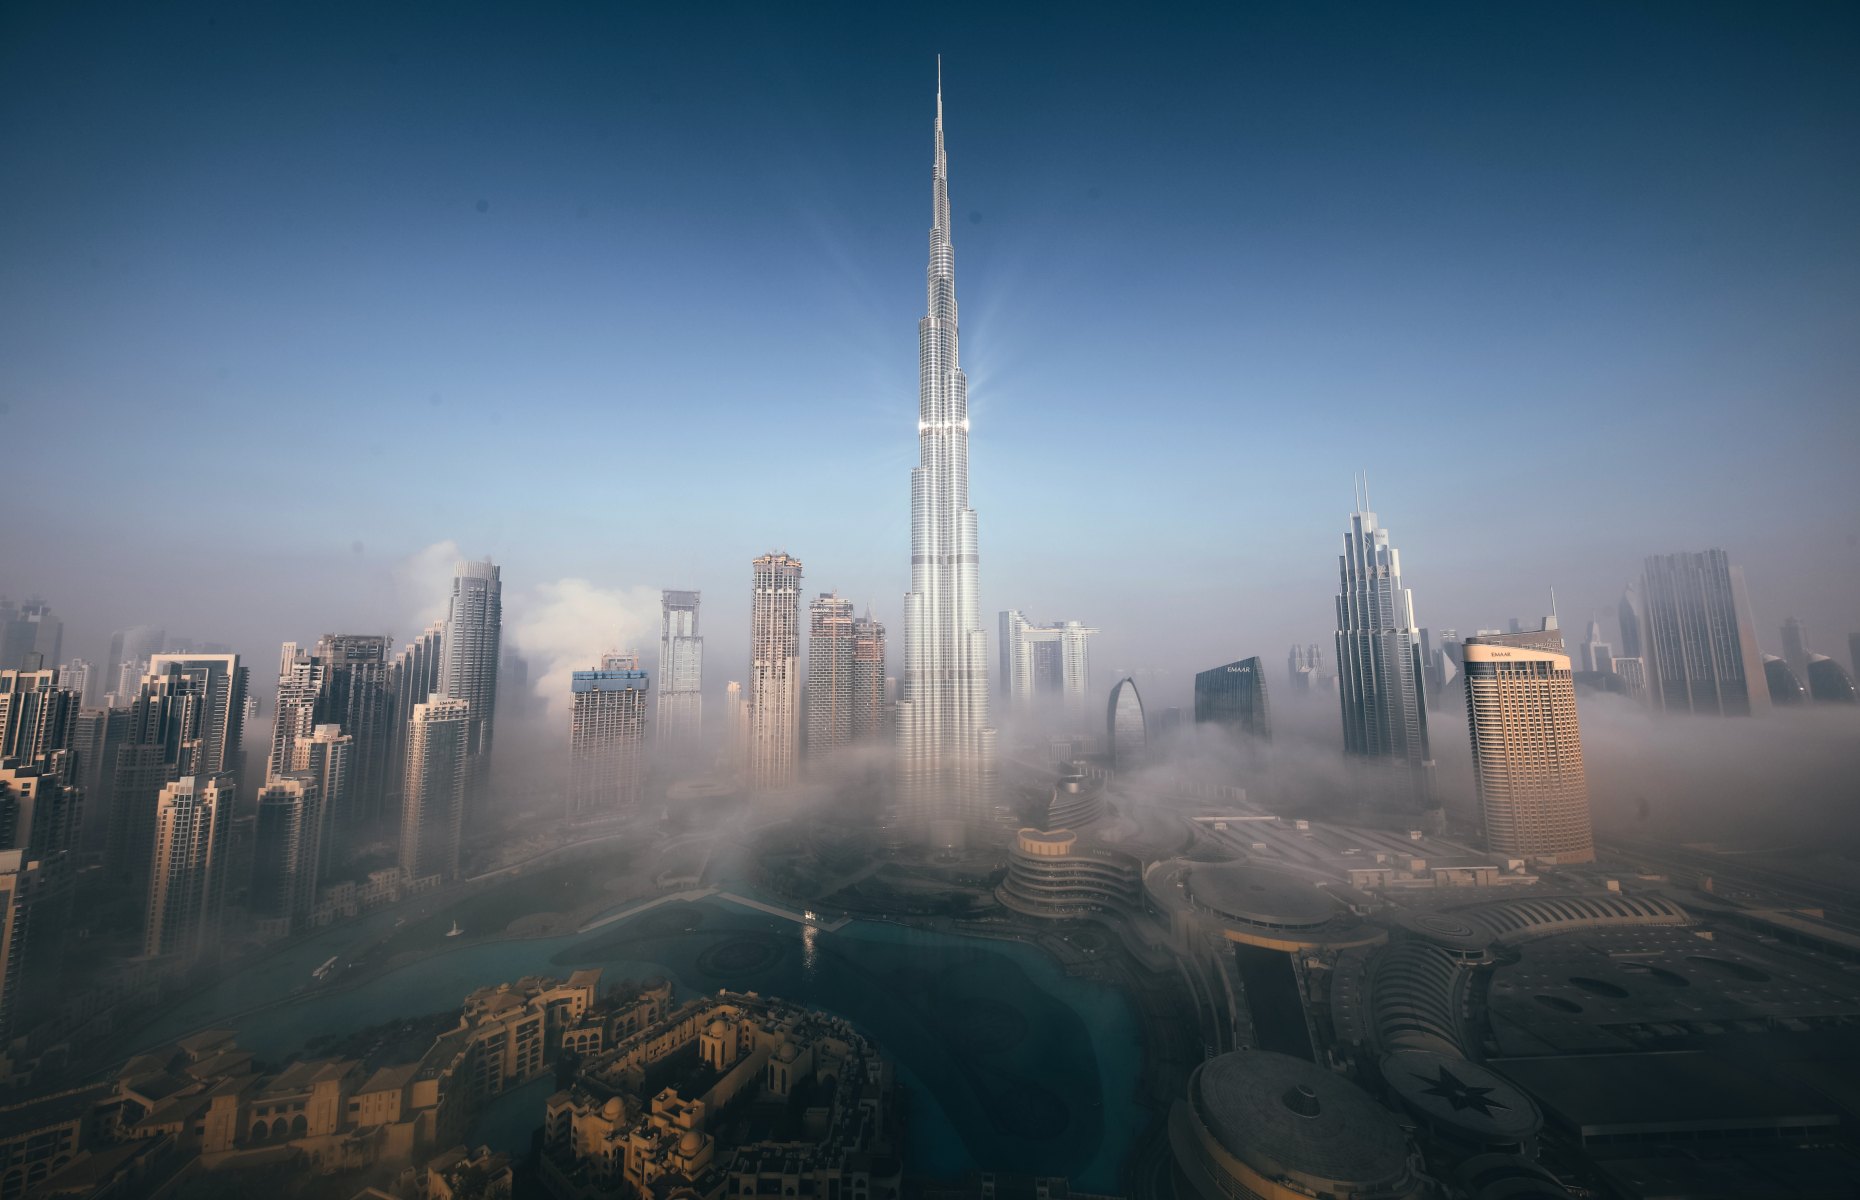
[
  {"x": 432, "y": 806},
  {"x": 1527, "y": 748},
  {"x": 1232, "y": 698},
  {"x": 1041, "y": 663},
  {"x": 187, "y": 882},
  {"x": 946, "y": 747},
  {"x": 358, "y": 694},
  {"x": 1380, "y": 689},
  {"x": 38, "y": 810},
  {"x": 1632, "y": 672},
  {"x": 34, "y": 892},
  {"x": 221, "y": 684},
  {"x": 469, "y": 656},
  {"x": 775, "y": 671},
  {"x": 413, "y": 676},
  {"x": 325, "y": 763},
  {"x": 1700, "y": 640},
  {"x": 869, "y": 711},
  {"x": 130, "y": 651},
  {"x": 681, "y": 674},
  {"x": 300, "y": 685},
  {"x": 607, "y": 737},
  {"x": 77, "y": 676},
  {"x": 1795, "y": 647},
  {"x": 286, "y": 845},
  {"x": 31, "y": 636},
  {"x": 38, "y": 717},
  {"x": 829, "y": 674}
]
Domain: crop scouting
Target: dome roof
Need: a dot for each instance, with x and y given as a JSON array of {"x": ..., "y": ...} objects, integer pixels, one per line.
[
  {"x": 691, "y": 1143},
  {"x": 786, "y": 1052},
  {"x": 1283, "y": 1116},
  {"x": 613, "y": 1109},
  {"x": 1261, "y": 895},
  {"x": 717, "y": 1028}
]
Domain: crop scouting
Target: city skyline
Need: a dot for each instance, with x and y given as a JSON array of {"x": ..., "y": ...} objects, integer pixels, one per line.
[{"x": 858, "y": 131}]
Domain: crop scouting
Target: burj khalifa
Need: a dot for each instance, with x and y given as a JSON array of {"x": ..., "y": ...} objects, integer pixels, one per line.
[{"x": 946, "y": 749}]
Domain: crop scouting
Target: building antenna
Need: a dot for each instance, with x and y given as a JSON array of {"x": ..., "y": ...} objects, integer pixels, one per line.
[{"x": 1553, "y": 615}]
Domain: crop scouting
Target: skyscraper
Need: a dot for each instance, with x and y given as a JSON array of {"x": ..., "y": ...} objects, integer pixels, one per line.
[
  {"x": 1795, "y": 647},
  {"x": 325, "y": 763},
  {"x": 31, "y": 636},
  {"x": 946, "y": 748},
  {"x": 38, "y": 717},
  {"x": 1232, "y": 698},
  {"x": 187, "y": 885},
  {"x": 412, "y": 677},
  {"x": 300, "y": 684},
  {"x": 607, "y": 736},
  {"x": 31, "y": 887},
  {"x": 1631, "y": 616},
  {"x": 130, "y": 651},
  {"x": 1701, "y": 644},
  {"x": 1127, "y": 734},
  {"x": 469, "y": 656},
  {"x": 1527, "y": 748},
  {"x": 1045, "y": 662},
  {"x": 1380, "y": 688},
  {"x": 1304, "y": 666},
  {"x": 432, "y": 806},
  {"x": 77, "y": 676},
  {"x": 1785, "y": 686},
  {"x": 681, "y": 673},
  {"x": 1597, "y": 656},
  {"x": 286, "y": 845},
  {"x": 358, "y": 694},
  {"x": 868, "y": 688},
  {"x": 829, "y": 674},
  {"x": 222, "y": 687},
  {"x": 736, "y": 727},
  {"x": 775, "y": 671}
]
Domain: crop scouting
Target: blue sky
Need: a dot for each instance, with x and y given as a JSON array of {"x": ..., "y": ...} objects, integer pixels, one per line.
[{"x": 631, "y": 296}]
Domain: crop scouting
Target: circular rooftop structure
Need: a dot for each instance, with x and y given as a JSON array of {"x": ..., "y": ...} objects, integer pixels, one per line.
[
  {"x": 1260, "y": 896},
  {"x": 1460, "y": 933},
  {"x": 1279, "y": 1117},
  {"x": 1463, "y": 1101}
]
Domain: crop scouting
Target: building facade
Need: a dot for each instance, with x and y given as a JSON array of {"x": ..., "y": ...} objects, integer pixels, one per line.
[
  {"x": 607, "y": 737},
  {"x": 869, "y": 708},
  {"x": 1380, "y": 690},
  {"x": 946, "y": 747},
  {"x": 681, "y": 673},
  {"x": 1042, "y": 663},
  {"x": 774, "y": 700},
  {"x": 830, "y": 654},
  {"x": 1232, "y": 698},
  {"x": 187, "y": 882},
  {"x": 1527, "y": 749},
  {"x": 1701, "y": 643},
  {"x": 1126, "y": 733},
  {"x": 469, "y": 655},
  {"x": 286, "y": 855},
  {"x": 432, "y": 815}
]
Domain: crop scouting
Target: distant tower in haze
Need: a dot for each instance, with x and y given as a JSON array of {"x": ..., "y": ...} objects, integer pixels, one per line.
[
  {"x": 1828, "y": 683},
  {"x": 432, "y": 812},
  {"x": 1527, "y": 748},
  {"x": 736, "y": 727},
  {"x": 1127, "y": 733},
  {"x": 775, "y": 672},
  {"x": 607, "y": 737},
  {"x": 1232, "y": 698},
  {"x": 1380, "y": 689},
  {"x": 829, "y": 674},
  {"x": 1631, "y": 616},
  {"x": 469, "y": 656},
  {"x": 681, "y": 674},
  {"x": 358, "y": 694},
  {"x": 1795, "y": 647},
  {"x": 1305, "y": 668},
  {"x": 868, "y": 695},
  {"x": 946, "y": 747},
  {"x": 31, "y": 637},
  {"x": 413, "y": 676},
  {"x": 130, "y": 651},
  {"x": 1598, "y": 657},
  {"x": 1045, "y": 663},
  {"x": 78, "y": 676},
  {"x": 1701, "y": 643},
  {"x": 187, "y": 887},
  {"x": 1632, "y": 672}
]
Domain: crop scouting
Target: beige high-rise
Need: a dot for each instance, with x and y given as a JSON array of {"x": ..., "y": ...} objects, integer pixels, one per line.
[
  {"x": 607, "y": 737},
  {"x": 1527, "y": 749},
  {"x": 775, "y": 672},
  {"x": 187, "y": 883}
]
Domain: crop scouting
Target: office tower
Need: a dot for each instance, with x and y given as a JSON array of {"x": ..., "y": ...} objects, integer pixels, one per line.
[
  {"x": 946, "y": 748},
  {"x": 868, "y": 685},
  {"x": 775, "y": 671},
  {"x": 1126, "y": 733},
  {"x": 1232, "y": 699},
  {"x": 681, "y": 673},
  {"x": 221, "y": 684},
  {"x": 1632, "y": 672},
  {"x": 326, "y": 764},
  {"x": 1795, "y": 647},
  {"x": 1701, "y": 647},
  {"x": 607, "y": 737},
  {"x": 1380, "y": 689},
  {"x": 38, "y": 717},
  {"x": 1828, "y": 682},
  {"x": 31, "y": 636},
  {"x": 1785, "y": 686},
  {"x": 736, "y": 731},
  {"x": 1630, "y": 615},
  {"x": 829, "y": 674},
  {"x": 77, "y": 676},
  {"x": 432, "y": 806},
  {"x": 130, "y": 651},
  {"x": 412, "y": 677},
  {"x": 1045, "y": 662},
  {"x": 285, "y": 854},
  {"x": 358, "y": 694},
  {"x": 1597, "y": 656},
  {"x": 187, "y": 882},
  {"x": 469, "y": 655},
  {"x": 1527, "y": 748}
]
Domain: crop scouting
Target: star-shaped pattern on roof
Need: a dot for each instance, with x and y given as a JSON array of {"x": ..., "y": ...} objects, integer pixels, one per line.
[{"x": 1460, "y": 1094}]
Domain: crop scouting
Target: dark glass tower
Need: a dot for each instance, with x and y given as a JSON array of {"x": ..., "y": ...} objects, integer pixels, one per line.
[{"x": 1233, "y": 698}]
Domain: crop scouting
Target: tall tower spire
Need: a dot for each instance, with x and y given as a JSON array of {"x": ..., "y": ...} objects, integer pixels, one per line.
[{"x": 945, "y": 746}]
